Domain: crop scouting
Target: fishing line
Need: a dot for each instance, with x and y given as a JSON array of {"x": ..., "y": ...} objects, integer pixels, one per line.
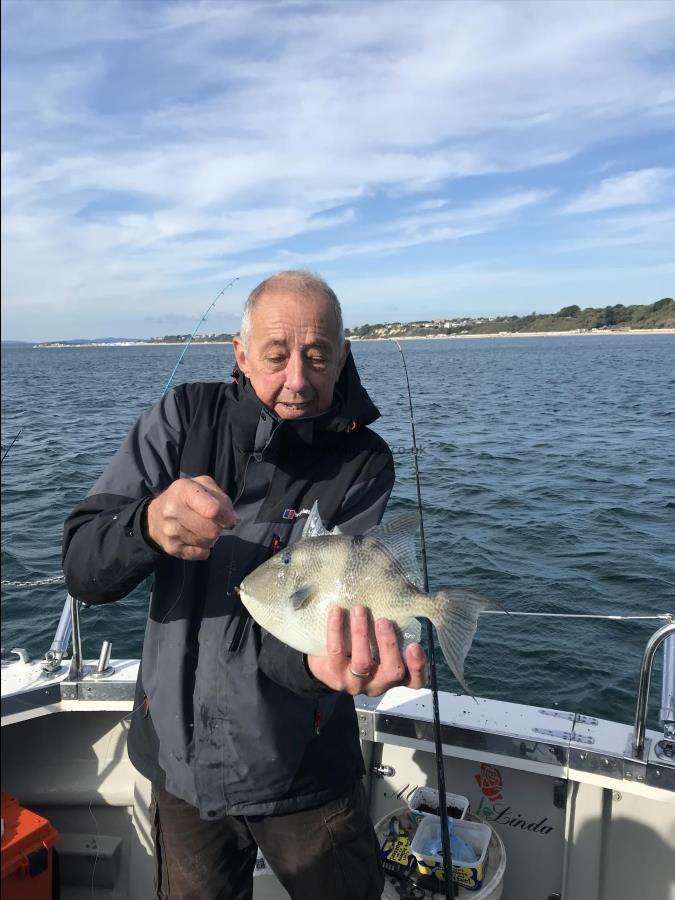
[
  {"x": 11, "y": 445},
  {"x": 189, "y": 340},
  {"x": 448, "y": 883},
  {"x": 668, "y": 617}
]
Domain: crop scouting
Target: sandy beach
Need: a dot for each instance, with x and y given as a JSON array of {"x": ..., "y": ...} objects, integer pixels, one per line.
[{"x": 425, "y": 337}]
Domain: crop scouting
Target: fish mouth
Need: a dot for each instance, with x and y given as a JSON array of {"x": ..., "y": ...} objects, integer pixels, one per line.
[{"x": 237, "y": 590}]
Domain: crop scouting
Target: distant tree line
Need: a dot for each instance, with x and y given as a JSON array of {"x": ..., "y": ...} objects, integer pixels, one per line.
[
  {"x": 198, "y": 338},
  {"x": 570, "y": 318}
]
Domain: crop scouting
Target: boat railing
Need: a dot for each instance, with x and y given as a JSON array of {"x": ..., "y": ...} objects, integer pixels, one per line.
[
  {"x": 68, "y": 631},
  {"x": 59, "y": 647},
  {"x": 665, "y": 635}
]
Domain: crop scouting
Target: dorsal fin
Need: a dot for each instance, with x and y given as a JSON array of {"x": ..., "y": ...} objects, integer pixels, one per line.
[
  {"x": 314, "y": 526},
  {"x": 398, "y": 537}
]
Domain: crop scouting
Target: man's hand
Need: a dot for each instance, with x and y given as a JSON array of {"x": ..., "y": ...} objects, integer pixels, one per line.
[
  {"x": 336, "y": 670},
  {"x": 189, "y": 517}
]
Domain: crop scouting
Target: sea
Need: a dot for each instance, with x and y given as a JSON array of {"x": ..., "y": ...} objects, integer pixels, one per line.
[{"x": 547, "y": 470}]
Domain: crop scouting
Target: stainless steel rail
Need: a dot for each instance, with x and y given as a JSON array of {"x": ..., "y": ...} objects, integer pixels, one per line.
[
  {"x": 67, "y": 629},
  {"x": 667, "y": 711},
  {"x": 62, "y": 635},
  {"x": 76, "y": 670},
  {"x": 653, "y": 645}
]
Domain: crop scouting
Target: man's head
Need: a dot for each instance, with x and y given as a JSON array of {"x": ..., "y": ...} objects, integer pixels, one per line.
[{"x": 291, "y": 346}]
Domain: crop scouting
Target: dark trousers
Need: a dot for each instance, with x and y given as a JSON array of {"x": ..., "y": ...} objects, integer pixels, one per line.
[{"x": 327, "y": 853}]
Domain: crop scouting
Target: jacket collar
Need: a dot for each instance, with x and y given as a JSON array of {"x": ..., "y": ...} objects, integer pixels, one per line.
[{"x": 352, "y": 408}]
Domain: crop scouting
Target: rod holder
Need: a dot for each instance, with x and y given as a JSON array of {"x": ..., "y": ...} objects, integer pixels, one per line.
[{"x": 103, "y": 668}]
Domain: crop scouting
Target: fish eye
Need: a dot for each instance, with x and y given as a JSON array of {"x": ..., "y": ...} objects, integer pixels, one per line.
[{"x": 286, "y": 557}]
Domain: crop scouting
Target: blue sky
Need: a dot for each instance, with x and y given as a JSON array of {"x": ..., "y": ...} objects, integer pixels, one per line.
[{"x": 429, "y": 159}]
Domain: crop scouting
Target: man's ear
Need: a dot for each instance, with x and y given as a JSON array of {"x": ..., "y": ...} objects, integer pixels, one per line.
[{"x": 240, "y": 354}]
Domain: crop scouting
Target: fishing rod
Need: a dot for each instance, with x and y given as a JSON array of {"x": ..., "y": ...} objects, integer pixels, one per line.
[
  {"x": 11, "y": 445},
  {"x": 189, "y": 340},
  {"x": 449, "y": 883}
]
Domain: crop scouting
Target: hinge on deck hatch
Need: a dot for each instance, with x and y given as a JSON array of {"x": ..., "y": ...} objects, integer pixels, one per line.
[{"x": 560, "y": 793}]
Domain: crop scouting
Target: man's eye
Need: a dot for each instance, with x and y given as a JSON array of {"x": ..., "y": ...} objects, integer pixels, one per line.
[{"x": 276, "y": 360}]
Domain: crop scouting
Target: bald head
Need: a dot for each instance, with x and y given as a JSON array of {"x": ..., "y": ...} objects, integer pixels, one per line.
[{"x": 299, "y": 283}]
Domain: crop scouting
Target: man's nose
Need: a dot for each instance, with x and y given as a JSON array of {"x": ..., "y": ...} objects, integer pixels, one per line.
[{"x": 296, "y": 374}]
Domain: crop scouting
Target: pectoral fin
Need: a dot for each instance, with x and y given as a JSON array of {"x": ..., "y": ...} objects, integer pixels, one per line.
[{"x": 299, "y": 596}]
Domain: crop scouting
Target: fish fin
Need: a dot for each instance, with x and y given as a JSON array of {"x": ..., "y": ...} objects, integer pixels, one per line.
[
  {"x": 455, "y": 615},
  {"x": 398, "y": 537},
  {"x": 314, "y": 526},
  {"x": 299, "y": 596}
]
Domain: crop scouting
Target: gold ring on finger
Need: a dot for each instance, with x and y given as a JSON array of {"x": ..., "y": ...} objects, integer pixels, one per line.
[{"x": 360, "y": 674}]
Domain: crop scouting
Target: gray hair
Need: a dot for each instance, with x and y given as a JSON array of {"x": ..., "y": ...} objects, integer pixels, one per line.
[{"x": 300, "y": 282}]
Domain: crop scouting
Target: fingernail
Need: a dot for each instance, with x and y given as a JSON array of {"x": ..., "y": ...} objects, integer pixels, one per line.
[
  {"x": 358, "y": 612},
  {"x": 417, "y": 651}
]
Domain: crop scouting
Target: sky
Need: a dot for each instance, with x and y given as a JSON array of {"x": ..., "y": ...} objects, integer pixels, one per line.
[{"x": 429, "y": 159}]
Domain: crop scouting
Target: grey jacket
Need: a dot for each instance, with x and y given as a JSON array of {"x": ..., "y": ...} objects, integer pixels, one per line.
[{"x": 227, "y": 717}]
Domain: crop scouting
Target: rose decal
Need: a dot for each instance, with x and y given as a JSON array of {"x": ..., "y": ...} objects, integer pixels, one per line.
[{"x": 489, "y": 780}]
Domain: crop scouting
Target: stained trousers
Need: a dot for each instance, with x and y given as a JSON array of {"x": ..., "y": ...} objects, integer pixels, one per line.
[{"x": 327, "y": 853}]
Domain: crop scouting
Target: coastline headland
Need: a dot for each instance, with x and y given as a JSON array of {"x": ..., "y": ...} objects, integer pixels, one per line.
[{"x": 652, "y": 318}]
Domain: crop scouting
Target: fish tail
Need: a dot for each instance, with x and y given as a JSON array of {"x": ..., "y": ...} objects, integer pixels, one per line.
[{"x": 455, "y": 616}]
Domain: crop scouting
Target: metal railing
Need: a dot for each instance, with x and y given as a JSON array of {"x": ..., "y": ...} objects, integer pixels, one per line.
[
  {"x": 69, "y": 627},
  {"x": 667, "y": 712},
  {"x": 68, "y": 632}
]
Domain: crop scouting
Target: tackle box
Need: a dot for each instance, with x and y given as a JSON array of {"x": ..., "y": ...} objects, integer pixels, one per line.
[
  {"x": 468, "y": 874},
  {"x": 27, "y": 853}
]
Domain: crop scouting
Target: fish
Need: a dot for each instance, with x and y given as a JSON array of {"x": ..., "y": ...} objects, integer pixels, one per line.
[{"x": 290, "y": 594}]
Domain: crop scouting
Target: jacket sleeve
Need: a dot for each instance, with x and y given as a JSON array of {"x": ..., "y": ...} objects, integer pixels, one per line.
[
  {"x": 361, "y": 509},
  {"x": 104, "y": 552}
]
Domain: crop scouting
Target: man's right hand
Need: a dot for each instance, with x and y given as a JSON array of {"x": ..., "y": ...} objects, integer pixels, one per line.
[{"x": 189, "y": 517}]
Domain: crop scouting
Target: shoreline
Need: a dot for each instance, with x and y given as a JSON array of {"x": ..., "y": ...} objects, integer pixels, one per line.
[
  {"x": 417, "y": 337},
  {"x": 516, "y": 334}
]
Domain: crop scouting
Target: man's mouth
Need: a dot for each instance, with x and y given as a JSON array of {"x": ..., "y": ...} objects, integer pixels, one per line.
[{"x": 302, "y": 405}]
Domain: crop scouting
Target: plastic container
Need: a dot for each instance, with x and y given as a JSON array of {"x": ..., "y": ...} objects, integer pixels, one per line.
[
  {"x": 467, "y": 873},
  {"x": 27, "y": 853},
  {"x": 457, "y": 805},
  {"x": 493, "y": 882}
]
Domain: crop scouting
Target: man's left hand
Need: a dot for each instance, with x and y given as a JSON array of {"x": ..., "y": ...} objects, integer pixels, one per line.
[{"x": 360, "y": 674}]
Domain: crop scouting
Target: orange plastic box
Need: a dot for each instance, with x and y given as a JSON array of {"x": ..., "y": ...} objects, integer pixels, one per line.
[{"x": 27, "y": 853}]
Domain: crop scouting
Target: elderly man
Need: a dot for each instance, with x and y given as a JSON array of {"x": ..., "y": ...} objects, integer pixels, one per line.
[{"x": 247, "y": 742}]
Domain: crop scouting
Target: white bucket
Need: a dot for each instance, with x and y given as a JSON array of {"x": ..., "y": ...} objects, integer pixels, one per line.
[{"x": 493, "y": 883}]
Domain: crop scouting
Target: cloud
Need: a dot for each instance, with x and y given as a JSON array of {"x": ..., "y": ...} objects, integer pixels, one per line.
[
  {"x": 639, "y": 188},
  {"x": 152, "y": 150}
]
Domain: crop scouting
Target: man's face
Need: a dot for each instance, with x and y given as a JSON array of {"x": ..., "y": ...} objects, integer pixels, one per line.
[{"x": 292, "y": 360}]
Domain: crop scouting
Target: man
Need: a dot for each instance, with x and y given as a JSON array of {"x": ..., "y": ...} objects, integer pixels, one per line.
[{"x": 247, "y": 742}]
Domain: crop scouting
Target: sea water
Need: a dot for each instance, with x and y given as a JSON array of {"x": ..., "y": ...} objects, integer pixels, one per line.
[{"x": 548, "y": 481}]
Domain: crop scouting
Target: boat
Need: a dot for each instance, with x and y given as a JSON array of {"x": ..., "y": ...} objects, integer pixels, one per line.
[{"x": 578, "y": 808}]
